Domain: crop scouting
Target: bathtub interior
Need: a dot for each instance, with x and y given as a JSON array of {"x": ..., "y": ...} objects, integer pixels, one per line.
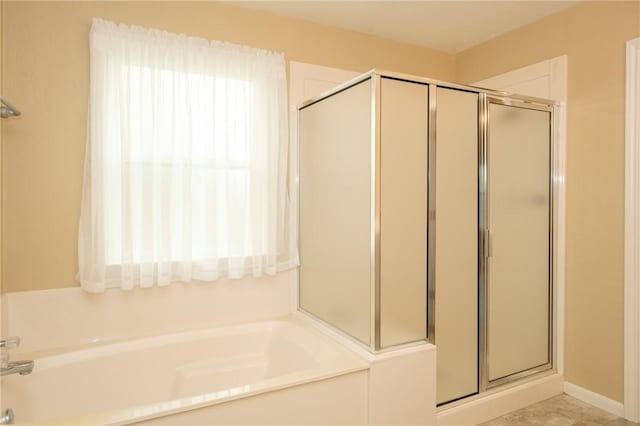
[{"x": 221, "y": 363}]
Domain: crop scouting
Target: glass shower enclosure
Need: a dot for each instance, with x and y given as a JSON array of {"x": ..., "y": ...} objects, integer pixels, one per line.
[
  {"x": 363, "y": 203},
  {"x": 426, "y": 214}
]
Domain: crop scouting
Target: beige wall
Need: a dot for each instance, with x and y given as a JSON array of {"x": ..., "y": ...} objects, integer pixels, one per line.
[
  {"x": 1, "y": 191},
  {"x": 3, "y": 310},
  {"x": 593, "y": 35},
  {"x": 46, "y": 73}
]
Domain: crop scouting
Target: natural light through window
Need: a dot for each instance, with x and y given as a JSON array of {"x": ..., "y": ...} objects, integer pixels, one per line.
[
  {"x": 187, "y": 167},
  {"x": 214, "y": 167}
]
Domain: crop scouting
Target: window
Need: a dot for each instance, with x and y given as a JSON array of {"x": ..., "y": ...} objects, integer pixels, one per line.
[{"x": 186, "y": 167}]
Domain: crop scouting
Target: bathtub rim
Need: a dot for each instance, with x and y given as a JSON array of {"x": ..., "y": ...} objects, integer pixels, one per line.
[{"x": 349, "y": 362}]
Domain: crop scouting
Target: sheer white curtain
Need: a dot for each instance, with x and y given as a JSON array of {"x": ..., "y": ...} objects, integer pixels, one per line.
[{"x": 186, "y": 169}]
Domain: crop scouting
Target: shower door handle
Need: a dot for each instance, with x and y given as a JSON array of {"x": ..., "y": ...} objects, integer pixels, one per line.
[{"x": 488, "y": 243}]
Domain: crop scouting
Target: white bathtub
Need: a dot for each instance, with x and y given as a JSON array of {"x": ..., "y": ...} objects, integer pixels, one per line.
[{"x": 145, "y": 379}]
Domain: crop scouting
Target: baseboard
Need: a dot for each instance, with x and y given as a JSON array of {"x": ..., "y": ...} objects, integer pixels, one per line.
[
  {"x": 499, "y": 402},
  {"x": 595, "y": 399}
]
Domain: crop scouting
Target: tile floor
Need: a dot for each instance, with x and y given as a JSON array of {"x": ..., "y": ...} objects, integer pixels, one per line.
[{"x": 561, "y": 410}]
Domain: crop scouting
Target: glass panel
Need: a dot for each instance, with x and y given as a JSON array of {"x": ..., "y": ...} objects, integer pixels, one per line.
[
  {"x": 335, "y": 210},
  {"x": 456, "y": 274},
  {"x": 403, "y": 212},
  {"x": 518, "y": 153}
]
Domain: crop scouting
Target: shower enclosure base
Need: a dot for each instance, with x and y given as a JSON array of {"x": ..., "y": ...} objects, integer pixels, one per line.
[{"x": 501, "y": 400}]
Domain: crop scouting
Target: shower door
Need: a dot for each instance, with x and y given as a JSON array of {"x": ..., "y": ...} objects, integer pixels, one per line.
[{"x": 517, "y": 240}]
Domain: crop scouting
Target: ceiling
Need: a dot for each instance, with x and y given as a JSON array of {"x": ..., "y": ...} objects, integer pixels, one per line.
[{"x": 450, "y": 26}]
